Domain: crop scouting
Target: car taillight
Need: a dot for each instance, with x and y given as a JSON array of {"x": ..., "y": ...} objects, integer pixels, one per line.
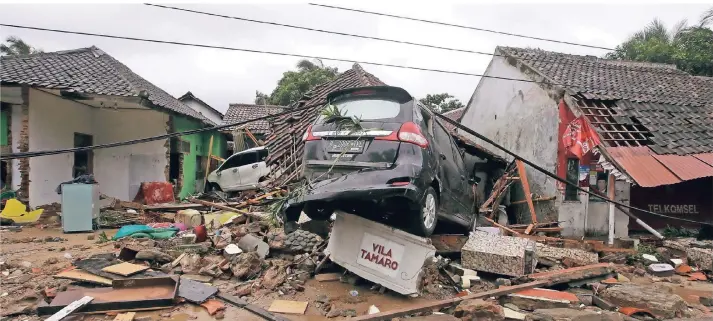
[
  {"x": 308, "y": 135},
  {"x": 408, "y": 133}
]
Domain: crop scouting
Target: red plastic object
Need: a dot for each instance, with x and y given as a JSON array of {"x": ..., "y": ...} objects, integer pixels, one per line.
[
  {"x": 201, "y": 233},
  {"x": 631, "y": 311},
  {"x": 157, "y": 192}
]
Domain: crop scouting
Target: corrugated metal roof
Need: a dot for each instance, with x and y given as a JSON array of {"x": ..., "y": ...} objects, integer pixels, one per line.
[
  {"x": 707, "y": 158},
  {"x": 643, "y": 168},
  {"x": 685, "y": 167},
  {"x": 648, "y": 169}
]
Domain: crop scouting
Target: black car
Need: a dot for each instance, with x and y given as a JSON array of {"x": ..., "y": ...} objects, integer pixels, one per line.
[{"x": 400, "y": 164}]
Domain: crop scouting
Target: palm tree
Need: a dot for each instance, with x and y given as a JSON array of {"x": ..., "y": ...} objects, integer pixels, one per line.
[{"x": 15, "y": 47}]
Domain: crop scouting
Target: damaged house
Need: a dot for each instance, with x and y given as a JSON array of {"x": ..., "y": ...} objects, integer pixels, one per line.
[
  {"x": 85, "y": 97},
  {"x": 259, "y": 129},
  {"x": 641, "y": 133}
]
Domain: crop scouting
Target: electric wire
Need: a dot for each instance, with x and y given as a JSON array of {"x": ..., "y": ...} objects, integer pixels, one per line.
[
  {"x": 554, "y": 176},
  {"x": 565, "y": 85},
  {"x": 572, "y": 62},
  {"x": 461, "y": 26}
]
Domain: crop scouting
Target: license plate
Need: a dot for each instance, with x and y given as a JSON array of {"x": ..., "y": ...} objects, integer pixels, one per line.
[
  {"x": 345, "y": 146},
  {"x": 380, "y": 254}
]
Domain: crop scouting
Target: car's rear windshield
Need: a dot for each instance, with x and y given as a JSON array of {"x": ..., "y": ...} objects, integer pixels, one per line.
[{"x": 367, "y": 108}]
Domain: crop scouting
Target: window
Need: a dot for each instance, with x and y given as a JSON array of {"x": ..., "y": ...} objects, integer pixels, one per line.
[
  {"x": 368, "y": 109},
  {"x": 598, "y": 181},
  {"x": 570, "y": 192},
  {"x": 238, "y": 160}
]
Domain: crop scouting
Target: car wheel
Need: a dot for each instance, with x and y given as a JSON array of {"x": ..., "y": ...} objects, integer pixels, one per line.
[
  {"x": 318, "y": 211},
  {"x": 213, "y": 187},
  {"x": 424, "y": 222}
]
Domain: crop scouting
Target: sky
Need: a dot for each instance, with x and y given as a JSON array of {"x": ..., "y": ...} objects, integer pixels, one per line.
[{"x": 221, "y": 77}]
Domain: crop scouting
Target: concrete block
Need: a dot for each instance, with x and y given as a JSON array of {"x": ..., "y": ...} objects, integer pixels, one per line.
[
  {"x": 497, "y": 254},
  {"x": 534, "y": 299},
  {"x": 702, "y": 258},
  {"x": 661, "y": 303},
  {"x": 661, "y": 269},
  {"x": 559, "y": 254}
]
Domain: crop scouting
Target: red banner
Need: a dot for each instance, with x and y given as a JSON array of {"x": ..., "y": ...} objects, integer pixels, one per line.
[{"x": 579, "y": 138}]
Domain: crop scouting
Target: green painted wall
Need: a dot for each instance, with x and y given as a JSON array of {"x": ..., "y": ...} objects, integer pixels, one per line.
[
  {"x": 4, "y": 127},
  {"x": 199, "y": 147}
]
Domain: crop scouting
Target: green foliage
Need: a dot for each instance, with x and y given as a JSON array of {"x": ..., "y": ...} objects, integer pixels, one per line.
[
  {"x": 690, "y": 48},
  {"x": 333, "y": 115},
  {"x": 441, "y": 103},
  {"x": 14, "y": 46},
  {"x": 261, "y": 98},
  {"x": 673, "y": 231},
  {"x": 294, "y": 84}
]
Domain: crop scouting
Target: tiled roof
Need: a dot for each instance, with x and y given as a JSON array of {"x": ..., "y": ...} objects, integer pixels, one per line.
[
  {"x": 190, "y": 95},
  {"x": 242, "y": 112},
  {"x": 455, "y": 115},
  {"x": 597, "y": 78},
  {"x": 288, "y": 129},
  {"x": 89, "y": 71}
]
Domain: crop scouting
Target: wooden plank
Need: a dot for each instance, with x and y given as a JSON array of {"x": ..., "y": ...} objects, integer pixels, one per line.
[
  {"x": 251, "y": 307},
  {"x": 435, "y": 305},
  {"x": 326, "y": 277},
  {"x": 541, "y": 199},
  {"x": 529, "y": 228},
  {"x": 83, "y": 276},
  {"x": 288, "y": 307},
  {"x": 74, "y": 306},
  {"x": 501, "y": 226},
  {"x": 226, "y": 208},
  {"x": 526, "y": 188},
  {"x": 207, "y": 163},
  {"x": 125, "y": 269},
  {"x": 128, "y": 316}
]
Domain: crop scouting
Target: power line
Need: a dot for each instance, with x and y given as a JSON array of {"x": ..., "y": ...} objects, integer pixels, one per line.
[
  {"x": 461, "y": 26},
  {"x": 329, "y": 58},
  {"x": 656, "y": 71},
  {"x": 554, "y": 176}
]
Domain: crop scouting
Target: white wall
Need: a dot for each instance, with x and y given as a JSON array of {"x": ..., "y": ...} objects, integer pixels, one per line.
[
  {"x": 16, "y": 128},
  {"x": 120, "y": 170},
  {"x": 53, "y": 122},
  {"x": 522, "y": 117},
  {"x": 207, "y": 112}
]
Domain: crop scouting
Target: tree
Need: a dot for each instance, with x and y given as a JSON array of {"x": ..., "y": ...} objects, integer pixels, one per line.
[
  {"x": 690, "y": 48},
  {"x": 261, "y": 98},
  {"x": 294, "y": 84},
  {"x": 441, "y": 103},
  {"x": 14, "y": 46}
]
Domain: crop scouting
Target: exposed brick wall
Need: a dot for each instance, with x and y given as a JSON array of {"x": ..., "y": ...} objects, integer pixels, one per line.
[
  {"x": 179, "y": 182},
  {"x": 24, "y": 143},
  {"x": 167, "y": 144}
]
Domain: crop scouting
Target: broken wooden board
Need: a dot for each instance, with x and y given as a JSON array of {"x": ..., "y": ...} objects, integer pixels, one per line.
[
  {"x": 83, "y": 276},
  {"x": 327, "y": 277},
  {"x": 435, "y": 305},
  {"x": 128, "y": 316},
  {"x": 288, "y": 307},
  {"x": 74, "y": 306},
  {"x": 125, "y": 269},
  {"x": 238, "y": 302}
]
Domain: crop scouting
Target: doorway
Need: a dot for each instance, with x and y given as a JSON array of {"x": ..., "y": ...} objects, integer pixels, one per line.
[{"x": 83, "y": 160}]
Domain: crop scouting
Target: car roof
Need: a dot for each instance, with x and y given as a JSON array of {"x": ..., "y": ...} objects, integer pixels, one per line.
[{"x": 250, "y": 150}]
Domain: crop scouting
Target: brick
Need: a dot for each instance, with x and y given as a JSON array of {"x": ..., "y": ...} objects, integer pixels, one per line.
[
  {"x": 504, "y": 255},
  {"x": 573, "y": 274}
]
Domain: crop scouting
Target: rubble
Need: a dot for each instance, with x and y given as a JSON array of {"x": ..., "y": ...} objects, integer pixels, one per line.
[
  {"x": 534, "y": 299},
  {"x": 574, "y": 257},
  {"x": 478, "y": 309},
  {"x": 660, "y": 302}
]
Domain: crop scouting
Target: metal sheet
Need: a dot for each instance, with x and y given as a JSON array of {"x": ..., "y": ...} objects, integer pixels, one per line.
[
  {"x": 685, "y": 167},
  {"x": 706, "y": 158},
  {"x": 642, "y": 167}
]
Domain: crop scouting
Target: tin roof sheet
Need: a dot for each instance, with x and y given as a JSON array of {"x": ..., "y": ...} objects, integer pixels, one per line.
[{"x": 648, "y": 169}]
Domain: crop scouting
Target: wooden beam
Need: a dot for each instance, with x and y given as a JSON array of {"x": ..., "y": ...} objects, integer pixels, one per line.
[
  {"x": 225, "y": 208},
  {"x": 252, "y": 137},
  {"x": 526, "y": 189},
  {"x": 251, "y": 307},
  {"x": 207, "y": 163},
  {"x": 541, "y": 199},
  {"x": 500, "y": 226},
  {"x": 430, "y": 306},
  {"x": 74, "y": 306}
]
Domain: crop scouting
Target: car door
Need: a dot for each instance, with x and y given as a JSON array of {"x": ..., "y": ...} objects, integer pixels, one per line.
[
  {"x": 249, "y": 170},
  {"x": 228, "y": 174},
  {"x": 450, "y": 176},
  {"x": 466, "y": 193}
]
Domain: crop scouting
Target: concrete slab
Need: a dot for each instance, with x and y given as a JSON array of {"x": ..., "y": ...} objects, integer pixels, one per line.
[
  {"x": 560, "y": 253},
  {"x": 533, "y": 299},
  {"x": 574, "y": 274},
  {"x": 505, "y": 255}
]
